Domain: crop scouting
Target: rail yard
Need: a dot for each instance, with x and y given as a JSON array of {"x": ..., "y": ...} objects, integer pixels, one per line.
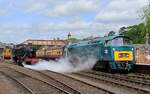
[
  {"x": 22, "y": 80},
  {"x": 74, "y": 46},
  {"x": 111, "y": 70}
]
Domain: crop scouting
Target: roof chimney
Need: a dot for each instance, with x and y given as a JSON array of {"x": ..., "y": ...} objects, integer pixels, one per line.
[{"x": 69, "y": 36}]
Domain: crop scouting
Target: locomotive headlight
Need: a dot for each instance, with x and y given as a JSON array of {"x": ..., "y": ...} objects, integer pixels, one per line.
[
  {"x": 120, "y": 55},
  {"x": 113, "y": 49},
  {"x": 123, "y": 55},
  {"x": 127, "y": 55}
]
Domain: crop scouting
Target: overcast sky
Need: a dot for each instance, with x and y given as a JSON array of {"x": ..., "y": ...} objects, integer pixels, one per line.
[{"x": 47, "y": 19}]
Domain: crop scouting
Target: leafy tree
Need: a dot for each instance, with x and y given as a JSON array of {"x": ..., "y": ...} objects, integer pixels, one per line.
[
  {"x": 122, "y": 30},
  {"x": 111, "y": 33},
  {"x": 137, "y": 32},
  {"x": 74, "y": 39},
  {"x": 146, "y": 17}
]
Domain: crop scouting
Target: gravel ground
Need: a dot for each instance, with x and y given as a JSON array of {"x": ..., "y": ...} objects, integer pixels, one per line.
[
  {"x": 37, "y": 86},
  {"x": 40, "y": 76},
  {"x": 111, "y": 87},
  {"x": 83, "y": 88},
  {"x": 9, "y": 86},
  {"x": 77, "y": 85}
]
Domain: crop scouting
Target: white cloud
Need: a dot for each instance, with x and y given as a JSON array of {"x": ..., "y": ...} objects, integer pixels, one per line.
[
  {"x": 59, "y": 9},
  {"x": 111, "y": 17},
  {"x": 20, "y": 32},
  {"x": 121, "y": 11},
  {"x": 72, "y": 8},
  {"x": 5, "y": 13},
  {"x": 6, "y": 8},
  {"x": 76, "y": 26}
]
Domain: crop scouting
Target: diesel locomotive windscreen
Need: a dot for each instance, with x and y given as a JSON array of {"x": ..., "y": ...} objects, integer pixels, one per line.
[{"x": 119, "y": 42}]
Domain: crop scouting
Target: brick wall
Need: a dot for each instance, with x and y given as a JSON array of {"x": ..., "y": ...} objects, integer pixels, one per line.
[{"x": 142, "y": 53}]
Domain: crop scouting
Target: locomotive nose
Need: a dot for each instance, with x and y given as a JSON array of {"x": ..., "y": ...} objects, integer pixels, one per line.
[{"x": 123, "y": 55}]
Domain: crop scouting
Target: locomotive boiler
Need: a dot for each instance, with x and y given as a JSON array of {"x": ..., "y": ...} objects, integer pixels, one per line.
[{"x": 24, "y": 53}]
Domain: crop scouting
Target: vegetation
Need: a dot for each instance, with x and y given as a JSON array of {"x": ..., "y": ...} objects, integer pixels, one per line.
[
  {"x": 111, "y": 33},
  {"x": 36, "y": 47},
  {"x": 147, "y": 76},
  {"x": 131, "y": 74},
  {"x": 137, "y": 32},
  {"x": 74, "y": 39}
]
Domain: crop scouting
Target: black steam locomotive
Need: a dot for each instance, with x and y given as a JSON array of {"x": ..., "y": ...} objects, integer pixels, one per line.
[{"x": 23, "y": 53}]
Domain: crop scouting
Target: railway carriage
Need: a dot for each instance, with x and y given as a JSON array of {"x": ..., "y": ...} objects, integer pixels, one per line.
[
  {"x": 54, "y": 53},
  {"x": 40, "y": 53},
  {"x": 7, "y": 54},
  {"x": 112, "y": 52},
  {"x": 51, "y": 53}
]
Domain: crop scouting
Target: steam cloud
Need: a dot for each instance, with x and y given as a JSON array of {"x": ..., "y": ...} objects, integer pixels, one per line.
[{"x": 64, "y": 65}]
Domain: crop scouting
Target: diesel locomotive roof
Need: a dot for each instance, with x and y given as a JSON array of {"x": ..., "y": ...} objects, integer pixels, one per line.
[{"x": 98, "y": 40}]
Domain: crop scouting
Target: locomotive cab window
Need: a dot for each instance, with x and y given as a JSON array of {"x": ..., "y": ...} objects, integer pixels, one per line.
[{"x": 121, "y": 41}]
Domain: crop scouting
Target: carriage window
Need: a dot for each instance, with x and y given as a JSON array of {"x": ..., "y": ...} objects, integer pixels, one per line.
[{"x": 119, "y": 42}]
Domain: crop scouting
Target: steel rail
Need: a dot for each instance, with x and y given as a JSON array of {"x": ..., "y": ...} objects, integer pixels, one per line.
[
  {"x": 60, "y": 89},
  {"x": 110, "y": 92},
  {"x": 69, "y": 87},
  {"x": 26, "y": 87},
  {"x": 125, "y": 78},
  {"x": 117, "y": 83}
]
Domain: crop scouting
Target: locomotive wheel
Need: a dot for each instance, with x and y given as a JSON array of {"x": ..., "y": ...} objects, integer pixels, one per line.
[
  {"x": 94, "y": 68},
  {"x": 19, "y": 63},
  {"x": 108, "y": 68}
]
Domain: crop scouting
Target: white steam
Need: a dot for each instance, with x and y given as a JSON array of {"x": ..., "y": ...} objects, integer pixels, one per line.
[{"x": 64, "y": 65}]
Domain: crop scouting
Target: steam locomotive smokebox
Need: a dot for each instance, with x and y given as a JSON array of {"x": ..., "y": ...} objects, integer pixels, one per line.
[{"x": 22, "y": 52}]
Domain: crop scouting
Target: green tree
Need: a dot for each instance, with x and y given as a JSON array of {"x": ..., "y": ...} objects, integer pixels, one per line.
[
  {"x": 136, "y": 33},
  {"x": 146, "y": 17},
  {"x": 122, "y": 30},
  {"x": 111, "y": 33},
  {"x": 74, "y": 39}
]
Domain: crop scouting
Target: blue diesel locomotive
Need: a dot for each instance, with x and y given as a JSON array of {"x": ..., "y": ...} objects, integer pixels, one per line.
[{"x": 112, "y": 52}]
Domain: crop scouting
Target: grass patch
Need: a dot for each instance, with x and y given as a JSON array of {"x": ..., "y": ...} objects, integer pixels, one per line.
[
  {"x": 131, "y": 74},
  {"x": 147, "y": 76}
]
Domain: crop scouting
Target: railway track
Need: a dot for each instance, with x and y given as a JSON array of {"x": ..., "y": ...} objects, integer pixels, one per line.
[
  {"x": 140, "y": 76},
  {"x": 60, "y": 84},
  {"x": 55, "y": 82},
  {"x": 81, "y": 87},
  {"x": 105, "y": 91},
  {"x": 135, "y": 78},
  {"x": 25, "y": 89},
  {"x": 141, "y": 87},
  {"x": 34, "y": 85}
]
